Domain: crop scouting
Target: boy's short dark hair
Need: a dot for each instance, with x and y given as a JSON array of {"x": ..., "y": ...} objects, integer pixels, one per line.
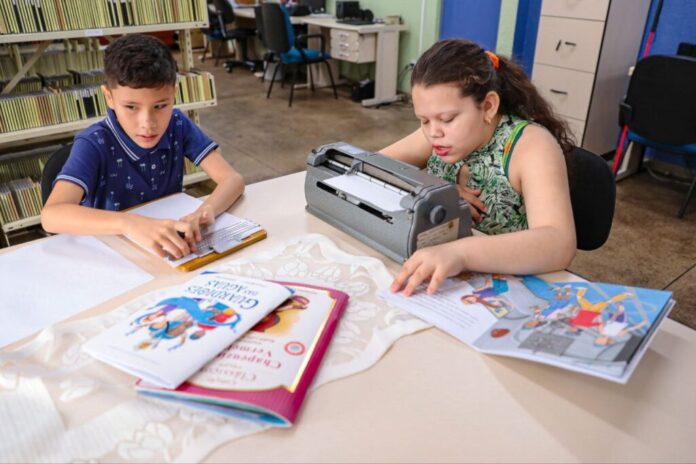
[{"x": 139, "y": 61}]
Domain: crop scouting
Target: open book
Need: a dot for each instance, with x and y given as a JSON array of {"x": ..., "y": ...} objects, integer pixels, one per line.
[
  {"x": 558, "y": 319},
  {"x": 169, "y": 341},
  {"x": 265, "y": 375},
  {"x": 225, "y": 236}
]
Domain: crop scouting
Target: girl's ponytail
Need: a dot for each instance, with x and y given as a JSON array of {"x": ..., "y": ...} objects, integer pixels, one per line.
[{"x": 477, "y": 72}]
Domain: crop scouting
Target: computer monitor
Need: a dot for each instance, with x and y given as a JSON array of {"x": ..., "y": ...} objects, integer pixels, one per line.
[{"x": 315, "y": 6}]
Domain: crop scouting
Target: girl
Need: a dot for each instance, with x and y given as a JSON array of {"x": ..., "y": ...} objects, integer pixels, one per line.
[{"x": 486, "y": 128}]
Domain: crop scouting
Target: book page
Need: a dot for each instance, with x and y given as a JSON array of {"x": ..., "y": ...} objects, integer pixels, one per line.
[
  {"x": 169, "y": 341},
  {"x": 52, "y": 279},
  {"x": 445, "y": 310}
]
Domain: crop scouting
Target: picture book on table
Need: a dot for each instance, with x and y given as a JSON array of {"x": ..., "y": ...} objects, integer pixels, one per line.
[
  {"x": 558, "y": 319},
  {"x": 265, "y": 375},
  {"x": 170, "y": 340}
]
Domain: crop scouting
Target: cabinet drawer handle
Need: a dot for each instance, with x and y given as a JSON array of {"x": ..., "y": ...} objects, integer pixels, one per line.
[
  {"x": 559, "y": 92},
  {"x": 570, "y": 44}
]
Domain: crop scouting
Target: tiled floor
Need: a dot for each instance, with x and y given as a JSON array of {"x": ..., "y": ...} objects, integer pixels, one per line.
[{"x": 263, "y": 138}]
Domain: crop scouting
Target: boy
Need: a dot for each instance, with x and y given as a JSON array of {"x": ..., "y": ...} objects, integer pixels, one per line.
[{"x": 136, "y": 154}]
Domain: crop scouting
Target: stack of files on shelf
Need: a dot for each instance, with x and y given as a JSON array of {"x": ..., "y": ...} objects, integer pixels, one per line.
[
  {"x": 33, "y": 16},
  {"x": 30, "y": 166},
  {"x": 8, "y": 210},
  {"x": 79, "y": 102},
  {"x": 27, "y": 84},
  {"x": 20, "y": 199}
]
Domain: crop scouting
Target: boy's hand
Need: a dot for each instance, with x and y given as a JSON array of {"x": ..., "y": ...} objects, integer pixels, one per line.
[
  {"x": 476, "y": 206},
  {"x": 163, "y": 236},
  {"x": 434, "y": 263},
  {"x": 198, "y": 220}
]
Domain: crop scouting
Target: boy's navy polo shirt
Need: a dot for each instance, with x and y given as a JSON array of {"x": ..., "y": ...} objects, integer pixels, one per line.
[{"x": 116, "y": 173}]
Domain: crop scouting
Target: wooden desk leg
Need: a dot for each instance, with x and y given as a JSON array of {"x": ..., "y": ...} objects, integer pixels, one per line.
[{"x": 387, "y": 61}]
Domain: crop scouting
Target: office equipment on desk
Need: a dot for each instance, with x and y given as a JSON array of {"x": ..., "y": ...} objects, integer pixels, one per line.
[
  {"x": 315, "y": 6},
  {"x": 392, "y": 206},
  {"x": 348, "y": 12},
  {"x": 225, "y": 236}
]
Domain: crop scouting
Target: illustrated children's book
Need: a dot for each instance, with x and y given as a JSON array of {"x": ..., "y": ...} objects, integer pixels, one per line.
[
  {"x": 226, "y": 235},
  {"x": 558, "y": 319},
  {"x": 265, "y": 375},
  {"x": 169, "y": 341}
]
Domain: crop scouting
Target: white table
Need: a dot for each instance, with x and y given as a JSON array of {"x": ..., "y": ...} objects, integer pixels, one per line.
[{"x": 433, "y": 399}]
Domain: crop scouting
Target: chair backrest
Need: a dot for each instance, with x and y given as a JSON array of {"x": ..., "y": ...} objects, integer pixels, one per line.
[
  {"x": 593, "y": 196},
  {"x": 277, "y": 28},
  {"x": 258, "y": 17},
  {"x": 224, "y": 10},
  {"x": 660, "y": 100},
  {"x": 51, "y": 170}
]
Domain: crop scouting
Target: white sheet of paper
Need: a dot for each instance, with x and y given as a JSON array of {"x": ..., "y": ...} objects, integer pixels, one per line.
[
  {"x": 444, "y": 311},
  {"x": 363, "y": 189},
  {"x": 179, "y": 205},
  {"x": 53, "y": 279}
]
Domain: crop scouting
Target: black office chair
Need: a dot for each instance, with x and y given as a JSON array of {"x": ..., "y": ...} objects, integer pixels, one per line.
[
  {"x": 658, "y": 109},
  {"x": 268, "y": 56},
  {"x": 592, "y": 195},
  {"x": 291, "y": 51},
  {"x": 51, "y": 169},
  {"x": 222, "y": 14}
]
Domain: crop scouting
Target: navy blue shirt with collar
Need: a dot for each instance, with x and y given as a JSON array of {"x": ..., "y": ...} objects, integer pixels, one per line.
[{"x": 116, "y": 173}]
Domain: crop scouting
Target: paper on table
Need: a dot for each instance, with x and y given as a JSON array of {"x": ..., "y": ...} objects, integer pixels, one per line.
[
  {"x": 179, "y": 205},
  {"x": 364, "y": 189},
  {"x": 53, "y": 279}
]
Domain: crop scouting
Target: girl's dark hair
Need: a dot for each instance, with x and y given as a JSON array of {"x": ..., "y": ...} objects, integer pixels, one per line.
[
  {"x": 139, "y": 61},
  {"x": 464, "y": 63}
]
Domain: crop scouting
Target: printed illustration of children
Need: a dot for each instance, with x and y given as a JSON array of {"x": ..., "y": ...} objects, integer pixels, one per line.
[
  {"x": 279, "y": 319},
  {"x": 490, "y": 295},
  {"x": 167, "y": 326},
  {"x": 616, "y": 326},
  {"x": 590, "y": 314},
  {"x": 558, "y": 308}
]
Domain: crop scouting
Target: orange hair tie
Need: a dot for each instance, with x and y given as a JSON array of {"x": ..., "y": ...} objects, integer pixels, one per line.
[{"x": 494, "y": 59}]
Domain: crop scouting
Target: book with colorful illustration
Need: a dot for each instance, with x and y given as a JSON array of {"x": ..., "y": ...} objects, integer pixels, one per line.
[
  {"x": 559, "y": 319},
  {"x": 265, "y": 375},
  {"x": 170, "y": 340}
]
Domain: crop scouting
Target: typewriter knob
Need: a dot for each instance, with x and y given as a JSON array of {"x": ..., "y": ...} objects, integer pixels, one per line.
[{"x": 437, "y": 214}]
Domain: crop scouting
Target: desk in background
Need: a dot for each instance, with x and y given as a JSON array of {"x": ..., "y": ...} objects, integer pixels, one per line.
[
  {"x": 378, "y": 43},
  {"x": 432, "y": 398}
]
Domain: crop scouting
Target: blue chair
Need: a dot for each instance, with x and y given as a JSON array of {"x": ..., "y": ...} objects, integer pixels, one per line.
[
  {"x": 658, "y": 110},
  {"x": 291, "y": 51}
]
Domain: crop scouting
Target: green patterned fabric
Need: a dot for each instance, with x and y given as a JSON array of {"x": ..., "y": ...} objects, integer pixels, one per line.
[{"x": 488, "y": 172}]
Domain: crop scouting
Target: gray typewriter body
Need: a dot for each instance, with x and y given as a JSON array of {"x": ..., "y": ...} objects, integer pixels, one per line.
[{"x": 431, "y": 210}]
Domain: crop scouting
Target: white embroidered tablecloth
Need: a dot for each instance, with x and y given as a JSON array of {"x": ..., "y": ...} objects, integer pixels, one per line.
[{"x": 57, "y": 404}]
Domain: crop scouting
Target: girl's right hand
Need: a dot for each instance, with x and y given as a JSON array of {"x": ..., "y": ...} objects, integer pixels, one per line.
[
  {"x": 165, "y": 237},
  {"x": 476, "y": 206}
]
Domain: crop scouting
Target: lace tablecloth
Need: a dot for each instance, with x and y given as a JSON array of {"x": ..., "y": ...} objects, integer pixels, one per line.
[{"x": 57, "y": 404}]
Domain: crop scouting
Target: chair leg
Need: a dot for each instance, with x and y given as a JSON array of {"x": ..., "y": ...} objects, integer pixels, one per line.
[
  {"x": 275, "y": 71},
  {"x": 311, "y": 78},
  {"x": 333, "y": 85},
  {"x": 682, "y": 210},
  {"x": 292, "y": 84},
  {"x": 219, "y": 50},
  {"x": 205, "y": 50}
]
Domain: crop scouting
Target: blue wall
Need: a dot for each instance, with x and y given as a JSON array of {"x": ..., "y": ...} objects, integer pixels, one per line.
[
  {"x": 476, "y": 20},
  {"x": 526, "y": 27},
  {"x": 677, "y": 23}
]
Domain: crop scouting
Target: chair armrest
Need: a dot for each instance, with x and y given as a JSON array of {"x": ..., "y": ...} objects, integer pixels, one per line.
[{"x": 303, "y": 38}]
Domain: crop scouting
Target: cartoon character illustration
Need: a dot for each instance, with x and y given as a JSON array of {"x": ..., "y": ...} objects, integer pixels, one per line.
[
  {"x": 590, "y": 314},
  {"x": 274, "y": 319},
  {"x": 616, "y": 326},
  {"x": 490, "y": 296},
  {"x": 173, "y": 317},
  {"x": 560, "y": 302}
]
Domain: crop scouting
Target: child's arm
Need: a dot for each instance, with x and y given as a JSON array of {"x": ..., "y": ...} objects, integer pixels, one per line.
[
  {"x": 538, "y": 170},
  {"x": 413, "y": 149},
  {"x": 64, "y": 214},
  {"x": 230, "y": 186}
]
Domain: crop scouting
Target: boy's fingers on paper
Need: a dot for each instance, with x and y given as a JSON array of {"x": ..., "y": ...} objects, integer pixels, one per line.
[
  {"x": 187, "y": 231},
  {"x": 170, "y": 248}
]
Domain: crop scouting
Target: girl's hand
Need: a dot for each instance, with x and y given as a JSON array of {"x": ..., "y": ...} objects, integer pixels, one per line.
[
  {"x": 476, "y": 206},
  {"x": 163, "y": 236},
  {"x": 434, "y": 263},
  {"x": 198, "y": 220}
]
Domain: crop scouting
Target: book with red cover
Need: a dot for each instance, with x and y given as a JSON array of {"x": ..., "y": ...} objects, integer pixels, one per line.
[{"x": 265, "y": 375}]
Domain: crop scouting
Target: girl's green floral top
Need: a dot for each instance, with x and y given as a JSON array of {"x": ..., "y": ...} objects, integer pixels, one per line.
[{"x": 488, "y": 171}]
